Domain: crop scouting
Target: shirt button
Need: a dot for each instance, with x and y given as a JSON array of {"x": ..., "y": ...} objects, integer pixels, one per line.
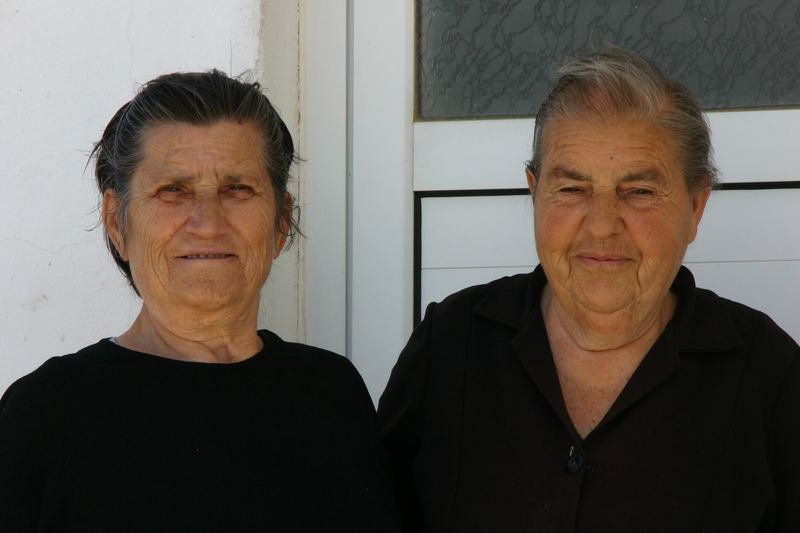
[{"x": 575, "y": 463}]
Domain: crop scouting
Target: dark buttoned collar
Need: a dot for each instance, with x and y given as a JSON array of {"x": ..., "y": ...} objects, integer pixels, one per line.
[
  {"x": 514, "y": 302},
  {"x": 694, "y": 328}
]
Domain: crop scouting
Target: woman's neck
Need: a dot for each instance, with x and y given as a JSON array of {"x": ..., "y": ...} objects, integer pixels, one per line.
[
  {"x": 218, "y": 340},
  {"x": 606, "y": 332},
  {"x": 595, "y": 359}
]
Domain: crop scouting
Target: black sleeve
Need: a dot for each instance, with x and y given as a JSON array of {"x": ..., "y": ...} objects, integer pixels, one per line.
[
  {"x": 24, "y": 458},
  {"x": 786, "y": 452},
  {"x": 400, "y": 411}
]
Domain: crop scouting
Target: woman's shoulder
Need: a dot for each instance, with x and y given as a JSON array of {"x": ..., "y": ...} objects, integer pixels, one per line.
[
  {"x": 743, "y": 324},
  {"x": 42, "y": 400},
  {"x": 320, "y": 373},
  {"x": 505, "y": 287},
  {"x": 770, "y": 357},
  {"x": 58, "y": 372},
  {"x": 507, "y": 301},
  {"x": 309, "y": 360},
  {"x": 62, "y": 367},
  {"x": 511, "y": 294},
  {"x": 301, "y": 353}
]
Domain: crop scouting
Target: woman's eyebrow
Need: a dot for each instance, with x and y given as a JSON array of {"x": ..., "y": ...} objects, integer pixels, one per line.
[
  {"x": 231, "y": 177},
  {"x": 648, "y": 175},
  {"x": 166, "y": 178},
  {"x": 560, "y": 172}
]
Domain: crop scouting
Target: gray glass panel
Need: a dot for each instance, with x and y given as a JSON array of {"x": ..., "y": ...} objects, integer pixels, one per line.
[{"x": 482, "y": 58}]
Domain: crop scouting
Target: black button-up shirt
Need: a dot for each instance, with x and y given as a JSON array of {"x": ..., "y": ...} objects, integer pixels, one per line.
[{"x": 704, "y": 437}]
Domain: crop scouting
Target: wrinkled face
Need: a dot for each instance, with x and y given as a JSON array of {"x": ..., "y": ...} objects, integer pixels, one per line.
[
  {"x": 613, "y": 214},
  {"x": 200, "y": 229}
]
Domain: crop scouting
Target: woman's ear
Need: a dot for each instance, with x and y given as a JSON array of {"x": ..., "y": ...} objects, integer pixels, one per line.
[
  {"x": 111, "y": 216},
  {"x": 531, "y": 180},
  {"x": 284, "y": 224},
  {"x": 699, "y": 200}
]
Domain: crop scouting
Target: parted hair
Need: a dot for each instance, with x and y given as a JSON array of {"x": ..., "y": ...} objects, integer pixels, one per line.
[
  {"x": 616, "y": 83},
  {"x": 197, "y": 98}
]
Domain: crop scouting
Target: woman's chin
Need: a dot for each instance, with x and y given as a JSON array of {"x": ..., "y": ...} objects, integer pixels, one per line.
[
  {"x": 608, "y": 299},
  {"x": 208, "y": 295}
]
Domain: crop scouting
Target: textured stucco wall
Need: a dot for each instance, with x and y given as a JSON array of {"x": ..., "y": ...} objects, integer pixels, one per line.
[{"x": 67, "y": 66}]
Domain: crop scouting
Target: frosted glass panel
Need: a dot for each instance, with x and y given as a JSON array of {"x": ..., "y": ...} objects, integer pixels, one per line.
[{"x": 495, "y": 58}]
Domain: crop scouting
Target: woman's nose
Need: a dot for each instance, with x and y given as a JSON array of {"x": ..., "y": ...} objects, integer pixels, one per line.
[
  {"x": 602, "y": 217},
  {"x": 208, "y": 217}
]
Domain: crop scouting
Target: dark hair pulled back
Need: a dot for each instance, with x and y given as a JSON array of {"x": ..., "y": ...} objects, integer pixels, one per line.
[{"x": 197, "y": 98}]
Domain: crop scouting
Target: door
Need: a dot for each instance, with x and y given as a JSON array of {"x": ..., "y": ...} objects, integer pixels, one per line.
[{"x": 438, "y": 205}]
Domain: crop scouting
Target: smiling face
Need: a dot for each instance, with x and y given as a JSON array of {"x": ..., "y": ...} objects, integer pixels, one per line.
[
  {"x": 200, "y": 228},
  {"x": 613, "y": 216}
]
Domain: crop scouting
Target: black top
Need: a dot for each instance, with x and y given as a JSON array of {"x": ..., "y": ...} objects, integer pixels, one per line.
[
  {"x": 113, "y": 440},
  {"x": 704, "y": 437}
]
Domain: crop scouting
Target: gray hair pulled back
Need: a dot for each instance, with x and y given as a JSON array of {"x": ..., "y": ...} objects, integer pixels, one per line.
[
  {"x": 617, "y": 83},
  {"x": 197, "y": 98}
]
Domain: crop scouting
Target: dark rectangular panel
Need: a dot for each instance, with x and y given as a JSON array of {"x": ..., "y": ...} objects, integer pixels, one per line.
[{"x": 483, "y": 58}]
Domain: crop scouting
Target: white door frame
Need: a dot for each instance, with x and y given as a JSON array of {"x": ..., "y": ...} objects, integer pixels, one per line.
[
  {"x": 341, "y": 74},
  {"x": 380, "y": 186},
  {"x": 303, "y": 66}
]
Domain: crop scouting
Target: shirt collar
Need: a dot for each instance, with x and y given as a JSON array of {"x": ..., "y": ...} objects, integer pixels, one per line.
[{"x": 698, "y": 325}]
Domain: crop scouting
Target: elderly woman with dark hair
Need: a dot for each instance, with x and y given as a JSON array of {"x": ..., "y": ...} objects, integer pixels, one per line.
[
  {"x": 603, "y": 392},
  {"x": 192, "y": 419}
]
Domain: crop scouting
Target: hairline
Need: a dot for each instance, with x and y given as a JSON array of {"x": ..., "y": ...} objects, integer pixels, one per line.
[{"x": 617, "y": 84}]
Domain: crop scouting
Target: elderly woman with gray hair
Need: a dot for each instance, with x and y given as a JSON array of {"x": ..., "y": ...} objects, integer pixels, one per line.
[
  {"x": 603, "y": 392},
  {"x": 193, "y": 419}
]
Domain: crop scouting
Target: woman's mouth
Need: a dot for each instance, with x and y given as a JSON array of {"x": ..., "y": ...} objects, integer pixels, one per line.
[{"x": 602, "y": 261}]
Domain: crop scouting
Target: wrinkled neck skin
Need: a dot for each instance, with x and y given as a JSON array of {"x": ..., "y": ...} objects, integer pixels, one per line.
[
  {"x": 584, "y": 331},
  {"x": 224, "y": 336}
]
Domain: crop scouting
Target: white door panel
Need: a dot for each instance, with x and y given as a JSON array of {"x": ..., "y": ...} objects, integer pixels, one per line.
[
  {"x": 749, "y": 146},
  {"x": 748, "y": 247},
  {"x": 760, "y": 225},
  {"x": 471, "y": 154},
  {"x": 483, "y": 231}
]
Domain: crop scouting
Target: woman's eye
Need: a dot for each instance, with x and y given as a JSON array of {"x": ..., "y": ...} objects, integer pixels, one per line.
[
  {"x": 171, "y": 192},
  {"x": 239, "y": 190}
]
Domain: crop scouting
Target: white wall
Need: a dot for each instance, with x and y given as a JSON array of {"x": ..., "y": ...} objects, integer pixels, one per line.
[{"x": 66, "y": 67}]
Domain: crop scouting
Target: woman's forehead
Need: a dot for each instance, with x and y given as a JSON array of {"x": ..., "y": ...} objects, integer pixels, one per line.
[
  {"x": 188, "y": 149},
  {"x": 580, "y": 137},
  {"x": 624, "y": 149}
]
